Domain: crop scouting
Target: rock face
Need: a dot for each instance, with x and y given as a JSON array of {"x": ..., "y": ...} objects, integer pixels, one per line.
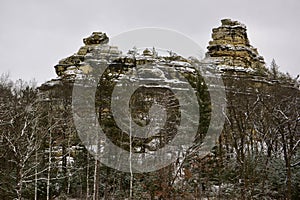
[
  {"x": 96, "y": 38},
  {"x": 138, "y": 65},
  {"x": 73, "y": 65},
  {"x": 229, "y": 52},
  {"x": 231, "y": 49}
]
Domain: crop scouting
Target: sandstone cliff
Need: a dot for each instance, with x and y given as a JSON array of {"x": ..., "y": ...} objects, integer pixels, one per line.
[{"x": 229, "y": 54}]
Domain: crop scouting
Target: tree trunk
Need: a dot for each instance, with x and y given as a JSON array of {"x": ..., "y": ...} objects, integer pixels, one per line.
[
  {"x": 49, "y": 166},
  {"x": 96, "y": 180},
  {"x": 87, "y": 176}
]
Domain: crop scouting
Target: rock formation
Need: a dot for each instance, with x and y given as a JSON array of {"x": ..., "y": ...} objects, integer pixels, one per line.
[
  {"x": 72, "y": 65},
  {"x": 229, "y": 52},
  {"x": 251, "y": 96},
  {"x": 143, "y": 65},
  {"x": 231, "y": 49}
]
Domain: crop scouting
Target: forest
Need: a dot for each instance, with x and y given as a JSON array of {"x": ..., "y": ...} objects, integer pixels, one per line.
[{"x": 256, "y": 157}]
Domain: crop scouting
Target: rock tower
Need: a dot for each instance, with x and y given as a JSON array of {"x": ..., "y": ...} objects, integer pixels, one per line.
[{"x": 230, "y": 48}]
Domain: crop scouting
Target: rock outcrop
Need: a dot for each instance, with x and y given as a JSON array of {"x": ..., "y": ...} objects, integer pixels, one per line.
[
  {"x": 142, "y": 65},
  {"x": 231, "y": 49},
  {"x": 73, "y": 65},
  {"x": 230, "y": 53}
]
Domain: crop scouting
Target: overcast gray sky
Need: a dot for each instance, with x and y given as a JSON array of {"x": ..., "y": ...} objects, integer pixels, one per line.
[{"x": 35, "y": 35}]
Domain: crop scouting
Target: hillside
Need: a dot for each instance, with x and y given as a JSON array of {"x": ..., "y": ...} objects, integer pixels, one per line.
[{"x": 224, "y": 127}]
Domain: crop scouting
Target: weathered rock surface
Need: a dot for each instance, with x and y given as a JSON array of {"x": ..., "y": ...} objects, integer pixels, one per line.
[
  {"x": 230, "y": 50},
  {"x": 230, "y": 47},
  {"x": 139, "y": 65},
  {"x": 96, "y": 38},
  {"x": 230, "y": 53},
  {"x": 74, "y": 65}
]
